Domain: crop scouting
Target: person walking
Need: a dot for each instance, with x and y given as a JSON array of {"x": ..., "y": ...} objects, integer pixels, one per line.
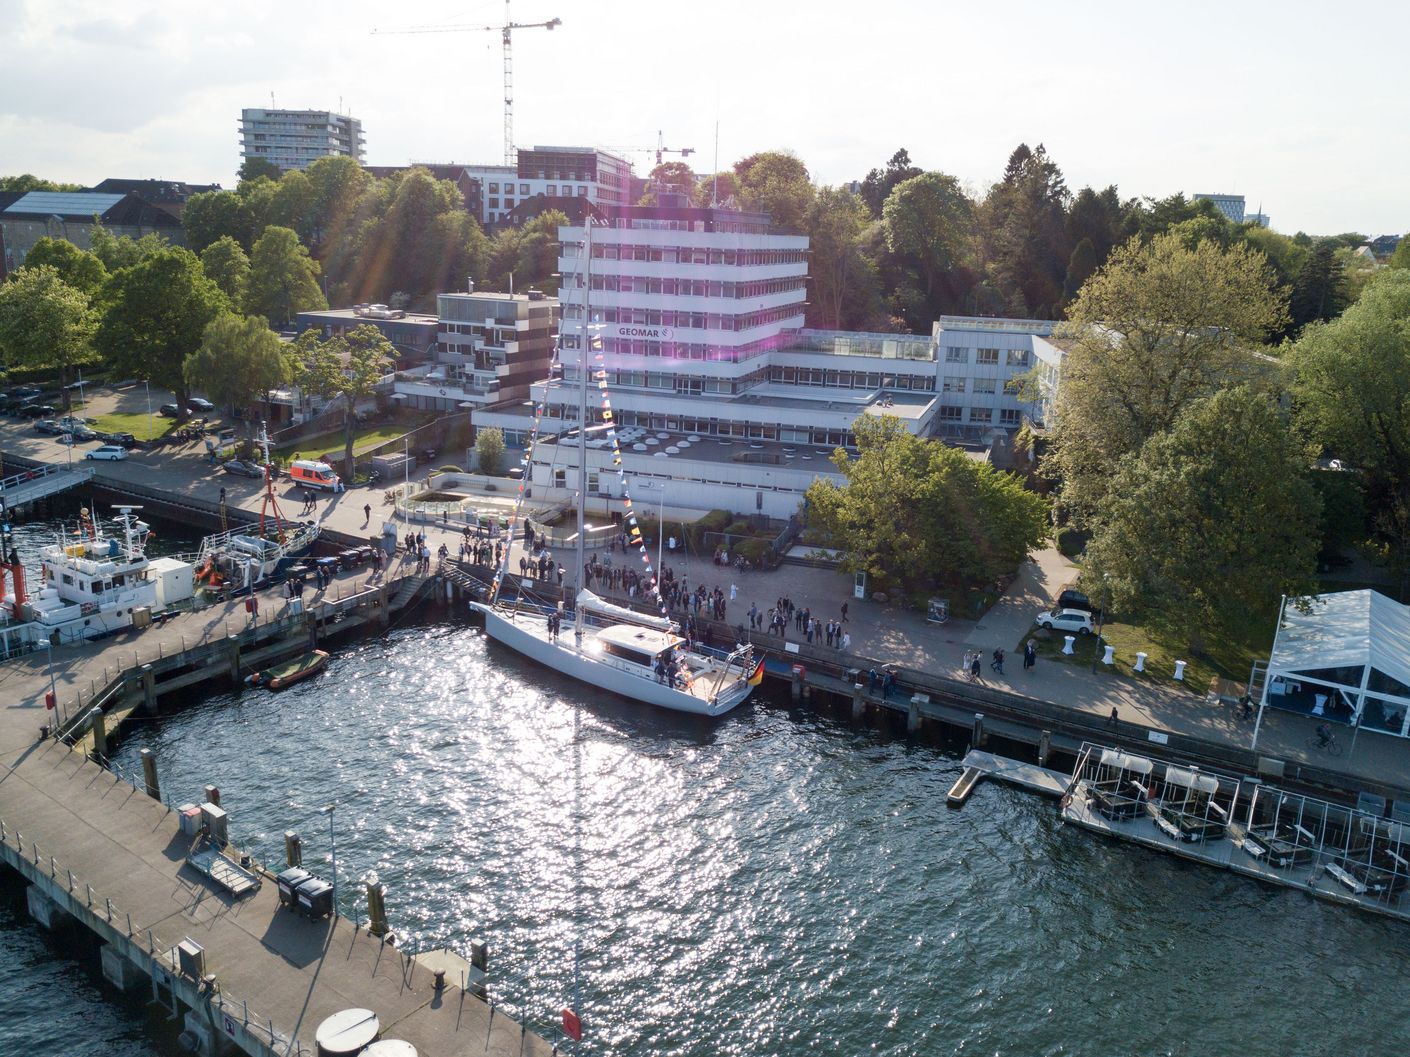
[
  {"x": 998, "y": 662},
  {"x": 1114, "y": 720},
  {"x": 366, "y": 514},
  {"x": 1030, "y": 655},
  {"x": 974, "y": 668},
  {"x": 846, "y": 641},
  {"x": 845, "y": 618}
]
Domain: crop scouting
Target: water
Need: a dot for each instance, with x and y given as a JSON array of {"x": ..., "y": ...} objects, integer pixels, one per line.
[{"x": 774, "y": 883}]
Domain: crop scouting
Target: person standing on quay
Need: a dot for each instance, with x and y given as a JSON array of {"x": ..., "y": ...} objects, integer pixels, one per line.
[{"x": 1030, "y": 655}]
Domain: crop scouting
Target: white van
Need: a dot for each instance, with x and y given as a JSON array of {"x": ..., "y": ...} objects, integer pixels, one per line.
[{"x": 312, "y": 474}]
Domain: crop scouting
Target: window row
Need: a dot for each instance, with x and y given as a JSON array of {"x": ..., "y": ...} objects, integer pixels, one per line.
[
  {"x": 1008, "y": 416},
  {"x": 835, "y": 379},
  {"x": 698, "y": 255},
  {"x": 960, "y": 354},
  {"x": 639, "y": 284}
]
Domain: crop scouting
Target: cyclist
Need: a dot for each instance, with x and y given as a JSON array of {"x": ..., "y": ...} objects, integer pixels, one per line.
[{"x": 1324, "y": 735}]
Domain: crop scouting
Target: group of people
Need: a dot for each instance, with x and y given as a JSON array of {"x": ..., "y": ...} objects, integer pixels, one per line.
[
  {"x": 540, "y": 566},
  {"x": 885, "y": 681},
  {"x": 970, "y": 664},
  {"x": 417, "y": 548}
]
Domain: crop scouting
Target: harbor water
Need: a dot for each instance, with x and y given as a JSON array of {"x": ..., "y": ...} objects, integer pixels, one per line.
[{"x": 773, "y": 883}]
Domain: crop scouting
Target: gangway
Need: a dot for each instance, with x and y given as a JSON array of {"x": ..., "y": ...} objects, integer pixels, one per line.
[{"x": 27, "y": 486}]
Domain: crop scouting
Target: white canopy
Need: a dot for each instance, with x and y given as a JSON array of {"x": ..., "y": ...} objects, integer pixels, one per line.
[
  {"x": 1352, "y": 645},
  {"x": 1125, "y": 761},
  {"x": 1188, "y": 779}
]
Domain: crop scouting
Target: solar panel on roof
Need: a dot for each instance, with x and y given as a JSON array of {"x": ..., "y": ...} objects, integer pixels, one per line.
[{"x": 44, "y": 203}]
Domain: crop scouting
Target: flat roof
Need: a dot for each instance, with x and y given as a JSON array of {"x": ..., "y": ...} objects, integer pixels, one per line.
[
  {"x": 65, "y": 203},
  {"x": 352, "y": 313}
]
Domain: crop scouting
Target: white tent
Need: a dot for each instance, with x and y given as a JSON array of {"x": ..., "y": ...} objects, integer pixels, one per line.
[{"x": 1347, "y": 658}]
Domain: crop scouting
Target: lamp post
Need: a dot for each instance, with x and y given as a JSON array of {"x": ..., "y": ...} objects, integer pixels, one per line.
[
  {"x": 151, "y": 422},
  {"x": 1101, "y": 620},
  {"x": 328, "y": 809}
]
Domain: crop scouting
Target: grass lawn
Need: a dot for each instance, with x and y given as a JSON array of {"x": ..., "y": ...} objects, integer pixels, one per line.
[
  {"x": 139, "y": 424},
  {"x": 363, "y": 439},
  {"x": 1228, "y": 658}
]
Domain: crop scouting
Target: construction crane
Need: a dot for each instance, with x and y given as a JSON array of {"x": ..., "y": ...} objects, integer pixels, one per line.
[
  {"x": 507, "y": 32},
  {"x": 661, "y": 149}
]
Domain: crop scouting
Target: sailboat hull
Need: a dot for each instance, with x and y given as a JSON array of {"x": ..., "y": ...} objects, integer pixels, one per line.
[{"x": 565, "y": 657}]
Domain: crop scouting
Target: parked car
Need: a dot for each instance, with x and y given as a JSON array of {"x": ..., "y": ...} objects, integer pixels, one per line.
[
  {"x": 36, "y": 411},
  {"x": 169, "y": 411},
  {"x": 83, "y": 433},
  {"x": 70, "y": 421},
  {"x": 48, "y": 427},
  {"x": 243, "y": 468},
  {"x": 21, "y": 394},
  {"x": 200, "y": 404},
  {"x": 1074, "y": 620},
  {"x": 126, "y": 440},
  {"x": 1074, "y": 599},
  {"x": 107, "y": 451}
]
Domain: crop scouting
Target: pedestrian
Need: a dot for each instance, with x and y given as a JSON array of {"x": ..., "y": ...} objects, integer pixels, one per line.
[
  {"x": 998, "y": 662},
  {"x": 1030, "y": 655},
  {"x": 844, "y": 613},
  {"x": 1114, "y": 720},
  {"x": 871, "y": 680},
  {"x": 222, "y": 496},
  {"x": 974, "y": 667},
  {"x": 366, "y": 514},
  {"x": 846, "y": 641}
]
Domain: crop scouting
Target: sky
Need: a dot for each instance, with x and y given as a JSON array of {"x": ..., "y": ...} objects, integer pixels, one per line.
[{"x": 1299, "y": 107}]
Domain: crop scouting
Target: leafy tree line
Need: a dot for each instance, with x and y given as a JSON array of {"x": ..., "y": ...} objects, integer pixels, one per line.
[{"x": 150, "y": 310}]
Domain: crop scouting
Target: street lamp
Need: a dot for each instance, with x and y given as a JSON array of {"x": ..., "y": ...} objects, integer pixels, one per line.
[
  {"x": 327, "y": 809},
  {"x": 151, "y": 422},
  {"x": 1101, "y": 620}
]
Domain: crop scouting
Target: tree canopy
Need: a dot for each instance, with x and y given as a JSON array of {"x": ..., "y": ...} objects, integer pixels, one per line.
[
  {"x": 240, "y": 360},
  {"x": 345, "y": 367},
  {"x": 1208, "y": 522},
  {"x": 156, "y": 315},
  {"x": 44, "y": 322},
  {"x": 283, "y": 278},
  {"x": 78, "y": 268},
  {"x": 916, "y": 513},
  {"x": 1162, "y": 325},
  {"x": 226, "y": 265}
]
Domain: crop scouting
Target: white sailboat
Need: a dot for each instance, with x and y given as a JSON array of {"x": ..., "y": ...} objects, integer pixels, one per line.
[{"x": 610, "y": 647}]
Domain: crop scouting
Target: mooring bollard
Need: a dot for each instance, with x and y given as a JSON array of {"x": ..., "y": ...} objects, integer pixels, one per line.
[
  {"x": 149, "y": 774},
  {"x": 1045, "y": 746},
  {"x": 976, "y": 733},
  {"x": 858, "y": 703}
]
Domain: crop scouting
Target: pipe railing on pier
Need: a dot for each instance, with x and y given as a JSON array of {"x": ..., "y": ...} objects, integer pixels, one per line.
[{"x": 161, "y": 951}]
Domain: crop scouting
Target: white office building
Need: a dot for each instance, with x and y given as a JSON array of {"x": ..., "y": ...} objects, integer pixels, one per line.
[
  {"x": 293, "y": 139},
  {"x": 725, "y": 399}
]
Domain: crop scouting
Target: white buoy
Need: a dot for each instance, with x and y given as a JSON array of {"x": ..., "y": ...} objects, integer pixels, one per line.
[{"x": 1067, "y": 641}]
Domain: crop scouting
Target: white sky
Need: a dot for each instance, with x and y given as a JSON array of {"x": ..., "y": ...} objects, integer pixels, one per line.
[{"x": 1301, "y": 107}]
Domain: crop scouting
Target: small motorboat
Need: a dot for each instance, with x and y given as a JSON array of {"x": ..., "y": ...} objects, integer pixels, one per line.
[{"x": 290, "y": 672}]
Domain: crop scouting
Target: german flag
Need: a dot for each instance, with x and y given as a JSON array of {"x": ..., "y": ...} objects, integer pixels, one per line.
[{"x": 757, "y": 676}]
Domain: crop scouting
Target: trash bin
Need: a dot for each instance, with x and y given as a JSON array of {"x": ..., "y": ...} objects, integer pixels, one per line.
[
  {"x": 288, "y": 883},
  {"x": 314, "y": 897}
]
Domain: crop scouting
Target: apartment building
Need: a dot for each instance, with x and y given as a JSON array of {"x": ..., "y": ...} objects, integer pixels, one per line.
[{"x": 293, "y": 139}]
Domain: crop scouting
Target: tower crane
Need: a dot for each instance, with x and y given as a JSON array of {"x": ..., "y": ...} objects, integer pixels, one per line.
[
  {"x": 660, "y": 149},
  {"x": 506, "y": 32}
]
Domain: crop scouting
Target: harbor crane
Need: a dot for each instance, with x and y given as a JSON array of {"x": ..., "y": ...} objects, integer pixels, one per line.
[{"x": 506, "y": 32}]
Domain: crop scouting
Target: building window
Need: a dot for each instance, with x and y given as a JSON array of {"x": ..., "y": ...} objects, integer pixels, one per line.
[
  {"x": 509, "y": 203},
  {"x": 981, "y": 414},
  {"x": 986, "y": 356},
  {"x": 494, "y": 203},
  {"x": 582, "y": 192},
  {"x": 494, "y": 188},
  {"x": 1009, "y": 416},
  {"x": 552, "y": 190},
  {"x": 950, "y": 414},
  {"x": 956, "y": 354},
  {"x": 1018, "y": 357},
  {"x": 523, "y": 190},
  {"x": 984, "y": 385},
  {"x": 954, "y": 385},
  {"x": 560, "y": 478}
]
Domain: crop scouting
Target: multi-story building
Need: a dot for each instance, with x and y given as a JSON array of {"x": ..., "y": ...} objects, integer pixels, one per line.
[
  {"x": 70, "y": 215},
  {"x": 699, "y": 313},
  {"x": 413, "y": 334},
  {"x": 491, "y": 348},
  {"x": 293, "y": 139},
  {"x": 602, "y": 178},
  {"x": 1232, "y": 206}
]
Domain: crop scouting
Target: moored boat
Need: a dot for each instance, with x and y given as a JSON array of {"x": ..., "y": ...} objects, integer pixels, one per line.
[{"x": 290, "y": 672}]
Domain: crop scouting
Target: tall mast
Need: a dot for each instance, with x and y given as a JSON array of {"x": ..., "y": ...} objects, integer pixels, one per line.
[{"x": 584, "y": 349}]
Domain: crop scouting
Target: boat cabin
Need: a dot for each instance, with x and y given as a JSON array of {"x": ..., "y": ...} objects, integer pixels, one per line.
[{"x": 637, "y": 645}]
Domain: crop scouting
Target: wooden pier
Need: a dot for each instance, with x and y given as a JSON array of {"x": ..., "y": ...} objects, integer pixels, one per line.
[{"x": 979, "y": 765}]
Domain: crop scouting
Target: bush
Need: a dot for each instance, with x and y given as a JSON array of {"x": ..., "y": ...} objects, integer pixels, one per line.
[
  {"x": 448, "y": 468},
  {"x": 752, "y": 550},
  {"x": 1070, "y": 541},
  {"x": 489, "y": 447},
  {"x": 737, "y": 528}
]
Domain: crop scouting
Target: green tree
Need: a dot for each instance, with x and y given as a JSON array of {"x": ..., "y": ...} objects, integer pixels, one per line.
[
  {"x": 1025, "y": 228},
  {"x": 930, "y": 220},
  {"x": 1160, "y": 326},
  {"x": 717, "y": 188},
  {"x": 212, "y": 215},
  {"x": 1351, "y": 382},
  {"x": 240, "y": 360},
  {"x": 879, "y": 183},
  {"x": 1080, "y": 267},
  {"x": 777, "y": 183},
  {"x": 1100, "y": 217},
  {"x": 45, "y": 323},
  {"x": 1319, "y": 292},
  {"x": 675, "y": 176},
  {"x": 915, "y": 513},
  {"x": 283, "y": 278},
  {"x": 30, "y": 182},
  {"x": 1401, "y": 257},
  {"x": 226, "y": 265},
  {"x": 1210, "y": 522},
  {"x": 489, "y": 451},
  {"x": 346, "y": 367},
  {"x": 156, "y": 315},
  {"x": 252, "y": 169},
  {"x": 293, "y": 205},
  {"x": 122, "y": 251},
  {"x": 843, "y": 288},
  {"x": 80, "y": 269}
]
